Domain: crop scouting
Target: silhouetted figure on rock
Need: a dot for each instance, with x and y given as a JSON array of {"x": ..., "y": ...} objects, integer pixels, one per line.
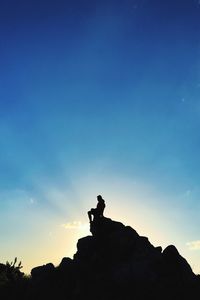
[{"x": 97, "y": 212}]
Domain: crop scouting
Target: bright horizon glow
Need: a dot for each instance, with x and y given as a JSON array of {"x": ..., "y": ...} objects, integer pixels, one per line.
[{"x": 98, "y": 97}]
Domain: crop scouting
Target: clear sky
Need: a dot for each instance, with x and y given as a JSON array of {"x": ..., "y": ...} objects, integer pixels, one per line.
[{"x": 98, "y": 97}]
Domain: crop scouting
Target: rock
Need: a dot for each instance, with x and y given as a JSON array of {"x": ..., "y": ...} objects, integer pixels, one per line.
[
  {"x": 159, "y": 249},
  {"x": 114, "y": 262},
  {"x": 42, "y": 271},
  {"x": 66, "y": 263},
  {"x": 104, "y": 226},
  {"x": 177, "y": 266},
  {"x": 122, "y": 259}
]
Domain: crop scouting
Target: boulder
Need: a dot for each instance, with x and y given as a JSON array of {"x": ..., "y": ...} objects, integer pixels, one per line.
[
  {"x": 42, "y": 271},
  {"x": 66, "y": 263},
  {"x": 176, "y": 266}
]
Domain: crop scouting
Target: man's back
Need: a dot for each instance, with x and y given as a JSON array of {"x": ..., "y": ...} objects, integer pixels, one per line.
[{"x": 100, "y": 207}]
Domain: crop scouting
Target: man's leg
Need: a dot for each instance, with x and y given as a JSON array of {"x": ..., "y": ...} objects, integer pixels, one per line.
[{"x": 90, "y": 215}]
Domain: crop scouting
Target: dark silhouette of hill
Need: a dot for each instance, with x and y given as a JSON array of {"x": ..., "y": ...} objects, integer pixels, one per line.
[{"x": 115, "y": 262}]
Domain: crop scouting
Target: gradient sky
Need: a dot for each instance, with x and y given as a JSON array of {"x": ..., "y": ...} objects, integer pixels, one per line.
[{"x": 98, "y": 97}]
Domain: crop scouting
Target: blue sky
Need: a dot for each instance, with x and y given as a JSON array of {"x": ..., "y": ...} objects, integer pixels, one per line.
[{"x": 98, "y": 97}]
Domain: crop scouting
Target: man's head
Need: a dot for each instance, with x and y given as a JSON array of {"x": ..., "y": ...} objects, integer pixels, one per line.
[{"x": 99, "y": 198}]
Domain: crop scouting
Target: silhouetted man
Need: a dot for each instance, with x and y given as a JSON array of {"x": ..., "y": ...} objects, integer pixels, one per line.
[{"x": 98, "y": 211}]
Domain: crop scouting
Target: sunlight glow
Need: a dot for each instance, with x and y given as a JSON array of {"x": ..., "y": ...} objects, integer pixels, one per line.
[{"x": 194, "y": 245}]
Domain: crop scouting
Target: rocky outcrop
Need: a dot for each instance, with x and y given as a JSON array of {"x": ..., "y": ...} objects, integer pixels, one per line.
[
  {"x": 114, "y": 262},
  {"x": 128, "y": 264}
]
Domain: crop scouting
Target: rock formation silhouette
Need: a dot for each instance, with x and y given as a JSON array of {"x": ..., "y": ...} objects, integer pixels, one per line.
[{"x": 114, "y": 262}]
